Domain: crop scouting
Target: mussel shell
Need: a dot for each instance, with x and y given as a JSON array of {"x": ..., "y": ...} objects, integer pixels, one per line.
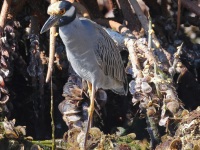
[
  {"x": 73, "y": 118},
  {"x": 132, "y": 87},
  {"x": 173, "y": 107},
  {"x": 67, "y": 106},
  {"x": 145, "y": 87}
]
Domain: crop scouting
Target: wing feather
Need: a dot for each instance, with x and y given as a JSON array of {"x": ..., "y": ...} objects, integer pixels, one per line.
[{"x": 108, "y": 56}]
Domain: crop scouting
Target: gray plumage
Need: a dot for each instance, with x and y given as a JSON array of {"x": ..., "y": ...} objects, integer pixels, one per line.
[
  {"x": 94, "y": 55},
  {"x": 90, "y": 50}
]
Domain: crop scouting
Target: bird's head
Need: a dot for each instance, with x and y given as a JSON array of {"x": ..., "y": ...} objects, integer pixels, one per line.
[{"x": 61, "y": 13}]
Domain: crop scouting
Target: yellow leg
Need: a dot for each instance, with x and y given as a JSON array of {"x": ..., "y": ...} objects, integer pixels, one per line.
[
  {"x": 90, "y": 111},
  {"x": 89, "y": 88}
]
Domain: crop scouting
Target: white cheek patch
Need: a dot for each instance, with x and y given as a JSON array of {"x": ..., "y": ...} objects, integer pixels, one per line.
[{"x": 70, "y": 12}]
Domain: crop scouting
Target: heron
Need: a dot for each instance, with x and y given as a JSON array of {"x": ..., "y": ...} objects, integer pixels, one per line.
[{"x": 92, "y": 53}]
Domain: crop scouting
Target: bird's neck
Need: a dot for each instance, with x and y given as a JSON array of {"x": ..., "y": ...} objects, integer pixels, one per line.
[
  {"x": 72, "y": 36},
  {"x": 66, "y": 20}
]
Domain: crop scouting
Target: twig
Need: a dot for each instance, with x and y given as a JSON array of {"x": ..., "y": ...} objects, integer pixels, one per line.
[
  {"x": 163, "y": 55},
  {"x": 129, "y": 15},
  {"x": 52, "y": 119},
  {"x": 49, "y": 74},
  {"x": 51, "y": 52},
  {"x": 140, "y": 14},
  {"x": 51, "y": 49},
  {"x": 152, "y": 126},
  {"x": 172, "y": 69},
  {"x": 152, "y": 129},
  {"x": 133, "y": 58},
  {"x": 150, "y": 34},
  {"x": 60, "y": 144},
  {"x": 3, "y": 15},
  {"x": 112, "y": 24},
  {"x": 144, "y": 21}
]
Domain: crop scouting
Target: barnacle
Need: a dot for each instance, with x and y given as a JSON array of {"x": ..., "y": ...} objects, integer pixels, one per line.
[
  {"x": 72, "y": 118},
  {"x": 187, "y": 135},
  {"x": 151, "y": 111},
  {"x": 163, "y": 87},
  {"x": 132, "y": 87},
  {"x": 138, "y": 84},
  {"x": 129, "y": 69},
  {"x": 175, "y": 144},
  {"x": 72, "y": 135},
  {"x": 94, "y": 138},
  {"x": 173, "y": 107},
  {"x": 147, "y": 78},
  {"x": 134, "y": 100},
  {"x": 12, "y": 132},
  {"x": 145, "y": 87},
  {"x": 67, "y": 107},
  {"x": 20, "y": 130}
]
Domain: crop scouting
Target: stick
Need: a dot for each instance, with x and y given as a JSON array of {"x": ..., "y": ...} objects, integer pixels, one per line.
[
  {"x": 144, "y": 21},
  {"x": 3, "y": 16},
  {"x": 49, "y": 74},
  {"x": 51, "y": 49},
  {"x": 52, "y": 119}
]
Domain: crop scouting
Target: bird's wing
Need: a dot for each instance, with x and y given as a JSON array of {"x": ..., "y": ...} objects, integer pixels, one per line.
[{"x": 108, "y": 55}]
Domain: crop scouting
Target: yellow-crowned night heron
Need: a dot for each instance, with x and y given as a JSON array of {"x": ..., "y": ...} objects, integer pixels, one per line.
[{"x": 91, "y": 52}]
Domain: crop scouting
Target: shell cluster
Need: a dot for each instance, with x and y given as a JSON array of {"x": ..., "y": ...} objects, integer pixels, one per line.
[
  {"x": 187, "y": 135},
  {"x": 153, "y": 87},
  {"x": 12, "y": 131},
  {"x": 75, "y": 106},
  {"x": 74, "y": 109},
  {"x": 71, "y": 106},
  {"x": 75, "y": 138},
  {"x": 154, "y": 83},
  {"x": 9, "y": 57}
]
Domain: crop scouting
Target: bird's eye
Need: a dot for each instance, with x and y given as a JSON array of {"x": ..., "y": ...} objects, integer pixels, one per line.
[{"x": 62, "y": 11}]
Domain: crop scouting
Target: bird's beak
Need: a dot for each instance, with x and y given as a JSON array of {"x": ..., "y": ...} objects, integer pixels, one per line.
[{"x": 52, "y": 20}]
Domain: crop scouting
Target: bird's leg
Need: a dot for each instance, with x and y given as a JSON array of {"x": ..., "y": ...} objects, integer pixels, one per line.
[
  {"x": 90, "y": 111},
  {"x": 89, "y": 88}
]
